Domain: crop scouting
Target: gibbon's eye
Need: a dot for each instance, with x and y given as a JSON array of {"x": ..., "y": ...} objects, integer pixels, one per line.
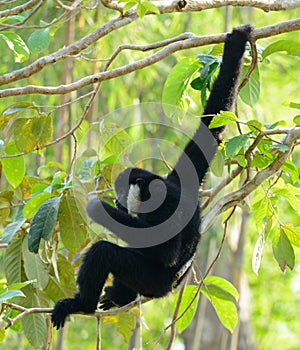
[{"x": 139, "y": 181}]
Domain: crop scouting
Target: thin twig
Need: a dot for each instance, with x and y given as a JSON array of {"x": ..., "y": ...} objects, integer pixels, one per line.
[{"x": 175, "y": 315}]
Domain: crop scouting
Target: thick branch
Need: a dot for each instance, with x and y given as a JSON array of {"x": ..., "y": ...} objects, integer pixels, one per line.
[
  {"x": 167, "y": 6},
  {"x": 18, "y": 9},
  {"x": 189, "y": 41},
  {"x": 199, "y": 5},
  {"x": 67, "y": 51}
]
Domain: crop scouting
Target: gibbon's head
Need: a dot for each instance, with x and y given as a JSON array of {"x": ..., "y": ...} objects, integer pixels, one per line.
[{"x": 135, "y": 187}]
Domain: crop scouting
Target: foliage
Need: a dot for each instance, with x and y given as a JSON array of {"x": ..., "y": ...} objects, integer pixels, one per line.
[{"x": 43, "y": 198}]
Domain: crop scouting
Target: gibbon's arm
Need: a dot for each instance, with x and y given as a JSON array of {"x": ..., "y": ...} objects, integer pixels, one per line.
[
  {"x": 201, "y": 149},
  {"x": 116, "y": 220}
]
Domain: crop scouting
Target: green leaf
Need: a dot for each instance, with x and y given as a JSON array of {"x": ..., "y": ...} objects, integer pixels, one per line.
[
  {"x": 223, "y": 305},
  {"x": 141, "y": 10},
  {"x": 251, "y": 91},
  {"x": 151, "y": 7},
  {"x": 125, "y": 322},
  {"x": 254, "y": 125},
  {"x": 39, "y": 40},
  {"x": 17, "y": 45},
  {"x": 289, "y": 195},
  {"x": 291, "y": 48},
  {"x": 280, "y": 147},
  {"x": 221, "y": 119},
  {"x": 293, "y": 234},
  {"x": 13, "y": 110},
  {"x": 283, "y": 251},
  {"x": 291, "y": 168},
  {"x": 296, "y": 120},
  {"x": 241, "y": 160},
  {"x": 186, "y": 319},
  {"x": 34, "y": 325},
  {"x": 72, "y": 222},
  {"x": 66, "y": 286},
  {"x": 42, "y": 223},
  {"x": 13, "y": 263},
  {"x": 294, "y": 105},
  {"x": 11, "y": 294},
  {"x": 223, "y": 284},
  {"x": 32, "y": 133},
  {"x": 2, "y": 334},
  {"x": 234, "y": 145},
  {"x": 20, "y": 285},
  {"x": 114, "y": 138},
  {"x": 274, "y": 125},
  {"x": 13, "y": 168},
  {"x": 13, "y": 19},
  {"x": 34, "y": 204},
  {"x": 34, "y": 267},
  {"x": 176, "y": 83},
  {"x": 11, "y": 229},
  {"x": 217, "y": 164},
  {"x": 261, "y": 161},
  {"x": 128, "y": 6}
]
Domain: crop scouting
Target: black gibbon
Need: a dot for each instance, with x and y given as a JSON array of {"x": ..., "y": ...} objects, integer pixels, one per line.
[{"x": 159, "y": 217}]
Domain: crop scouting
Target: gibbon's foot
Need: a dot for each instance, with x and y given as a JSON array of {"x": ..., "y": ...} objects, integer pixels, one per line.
[
  {"x": 63, "y": 308},
  {"x": 106, "y": 303}
]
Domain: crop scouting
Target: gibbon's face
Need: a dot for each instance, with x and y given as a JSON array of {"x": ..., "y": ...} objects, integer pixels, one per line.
[{"x": 132, "y": 188}]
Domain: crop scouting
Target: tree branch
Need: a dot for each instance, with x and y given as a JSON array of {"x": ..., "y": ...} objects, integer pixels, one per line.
[
  {"x": 167, "y": 6},
  {"x": 234, "y": 198},
  {"x": 39, "y": 310},
  {"x": 188, "y": 41},
  {"x": 18, "y": 9}
]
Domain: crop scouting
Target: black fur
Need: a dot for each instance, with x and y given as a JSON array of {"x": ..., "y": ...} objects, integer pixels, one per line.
[{"x": 143, "y": 268}]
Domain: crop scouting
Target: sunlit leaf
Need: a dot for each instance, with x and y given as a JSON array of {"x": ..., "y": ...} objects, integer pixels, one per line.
[
  {"x": 14, "y": 109},
  {"x": 16, "y": 45},
  {"x": 217, "y": 164},
  {"x": 32, "y": 133},
  {"x": 177, "y": 81},
  {"x": 187, "y": 297},
  {"x": 251, "y": 91},
  {"x": 34, "y": 204},
  {"x": 223, "y": 118},
  {"x": 289, "y": 46},
  {"x": 291, "y": 168},
  {"x": 223, "y": 305},
  {"x": 13, "y": 168},
  {"x": 114, "y": 138},
  {"x": 296, "y": 120},
  {"x": 283, "y": 251},
  {"x": 293, "y": 234},
  {"x": 223, "y": 284}
]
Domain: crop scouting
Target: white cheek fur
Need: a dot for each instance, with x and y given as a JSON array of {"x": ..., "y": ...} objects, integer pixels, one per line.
[{"x": 133, "y": 200}]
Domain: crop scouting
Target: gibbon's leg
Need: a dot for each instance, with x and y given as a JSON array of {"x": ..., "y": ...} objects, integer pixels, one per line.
[
  {"x": 117, "y": 295},
  {"x": 134, "y": 270}
]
